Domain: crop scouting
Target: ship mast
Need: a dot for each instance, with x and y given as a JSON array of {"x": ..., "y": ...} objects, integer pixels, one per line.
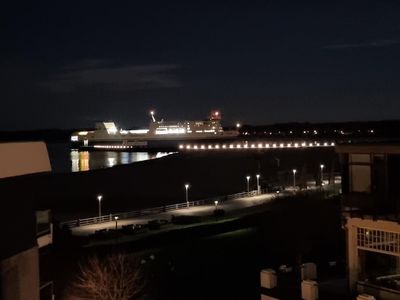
[{"x": 152, "y": 115}]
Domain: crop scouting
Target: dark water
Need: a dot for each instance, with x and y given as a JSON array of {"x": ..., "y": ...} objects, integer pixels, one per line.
[{"x": 63, "y": 159}]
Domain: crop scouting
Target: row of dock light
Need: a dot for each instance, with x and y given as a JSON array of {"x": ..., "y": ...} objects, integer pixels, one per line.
[
  {"x": 255, "y": 146},
  {"x": 114, "y": 147}
]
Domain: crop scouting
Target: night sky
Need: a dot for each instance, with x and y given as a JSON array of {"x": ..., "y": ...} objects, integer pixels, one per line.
[{"x": 67, "y": 64}]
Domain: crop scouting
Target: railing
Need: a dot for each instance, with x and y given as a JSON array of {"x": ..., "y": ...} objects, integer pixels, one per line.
[{"x": 156, "y": 210}]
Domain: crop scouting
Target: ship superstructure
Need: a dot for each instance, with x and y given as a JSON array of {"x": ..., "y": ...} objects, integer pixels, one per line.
[{"x": 160, "y": 134}]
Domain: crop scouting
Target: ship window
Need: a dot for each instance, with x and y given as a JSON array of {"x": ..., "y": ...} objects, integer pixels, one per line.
[
  {"x": 360, "y": 172},
  {"x": 360, "y": 178},
  {"x": 360, "y": 158}
]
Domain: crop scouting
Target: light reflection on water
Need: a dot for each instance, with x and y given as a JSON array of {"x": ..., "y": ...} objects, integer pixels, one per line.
[{"x": 85, "y": 161}]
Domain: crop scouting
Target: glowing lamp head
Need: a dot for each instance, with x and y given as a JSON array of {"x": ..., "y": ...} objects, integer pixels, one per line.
[
  {"x": 322, "y": 166},
  {"x": 186, "y": 186},
  {"x": 152, "y": 112},
  {"x": 116, "y": 217},
  {"x": 238, "y": 125},
  {"x": 248, "y": 177},
  {"x": 216, "y": 202},
  {"x": 258, "y": 176},
  {"x": 215, "y": 115},
  {"x": 99, "y": 197},
  {"x": 294, "y": 171}
]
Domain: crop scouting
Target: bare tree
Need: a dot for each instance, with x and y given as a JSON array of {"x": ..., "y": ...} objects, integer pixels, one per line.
[{"x": 115, "y": 277}]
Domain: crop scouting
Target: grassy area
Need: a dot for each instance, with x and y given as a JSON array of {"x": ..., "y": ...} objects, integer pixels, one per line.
[{"x": 222, "y": 260}]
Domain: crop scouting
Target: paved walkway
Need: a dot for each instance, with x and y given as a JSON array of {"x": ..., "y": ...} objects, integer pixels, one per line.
[{"x": 204, "y": 210}]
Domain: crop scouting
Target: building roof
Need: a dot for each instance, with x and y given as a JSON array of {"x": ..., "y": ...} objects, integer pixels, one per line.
[
  {"x": 18, "y": 219},
  {"x": 23, "y": 158}
]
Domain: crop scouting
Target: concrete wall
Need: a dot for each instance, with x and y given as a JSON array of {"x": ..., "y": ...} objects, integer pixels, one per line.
[
  {"x": 19, "y": 276},
  {"x": 23, "y": 158}
]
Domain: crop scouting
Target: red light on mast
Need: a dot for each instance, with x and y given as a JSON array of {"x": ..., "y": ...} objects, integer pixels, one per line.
[{"x": 215, "y": 115}]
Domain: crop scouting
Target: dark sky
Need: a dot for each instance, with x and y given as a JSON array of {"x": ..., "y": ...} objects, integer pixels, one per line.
[{"x": 67, "y": 64}]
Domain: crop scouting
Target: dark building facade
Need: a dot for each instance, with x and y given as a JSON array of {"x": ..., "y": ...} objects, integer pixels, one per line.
[{"x": 371, "y": 201}]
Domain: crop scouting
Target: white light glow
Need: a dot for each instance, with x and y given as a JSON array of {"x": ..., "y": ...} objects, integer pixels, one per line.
[
  {"x": 74, "y": 138},
  {"x": 110, "y": 127},
  {"x": 139, "y": 131},
  {"x": 168, "y": 130}
]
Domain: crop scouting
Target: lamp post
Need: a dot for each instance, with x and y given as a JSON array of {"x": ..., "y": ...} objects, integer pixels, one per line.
[
  {"x": 187, "y": 194},
  {"x": 258, "y": 183},
  {"x": 322, "y": 173},
  {"x": 116, "y": 222},
  {"x": 99, "y": 197},
  {"x": 294, "y": 178},
  {"x": 216, "y": 204},
  {"x": 248, "y": 184}
]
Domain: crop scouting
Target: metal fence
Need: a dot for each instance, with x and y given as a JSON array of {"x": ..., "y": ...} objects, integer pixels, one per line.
[{"x": 157, "y": 210}]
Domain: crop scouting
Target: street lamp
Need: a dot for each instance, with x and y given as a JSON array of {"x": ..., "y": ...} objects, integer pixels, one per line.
[
  {"x": 294, "y": 178},
  {"x": 248, "y": 184},
  {"x": 322, "y": 174},
  {"x": 258, "y": 183},
  {"x": 187, "y": 194},
  {"x": 99, "y": 197},
  {"x": 116, "y": 222},
  {"x": 216, "y": 204}
]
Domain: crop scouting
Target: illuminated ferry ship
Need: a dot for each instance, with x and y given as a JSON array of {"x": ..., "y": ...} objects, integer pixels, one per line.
[{"x": 160, "y": 134}]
